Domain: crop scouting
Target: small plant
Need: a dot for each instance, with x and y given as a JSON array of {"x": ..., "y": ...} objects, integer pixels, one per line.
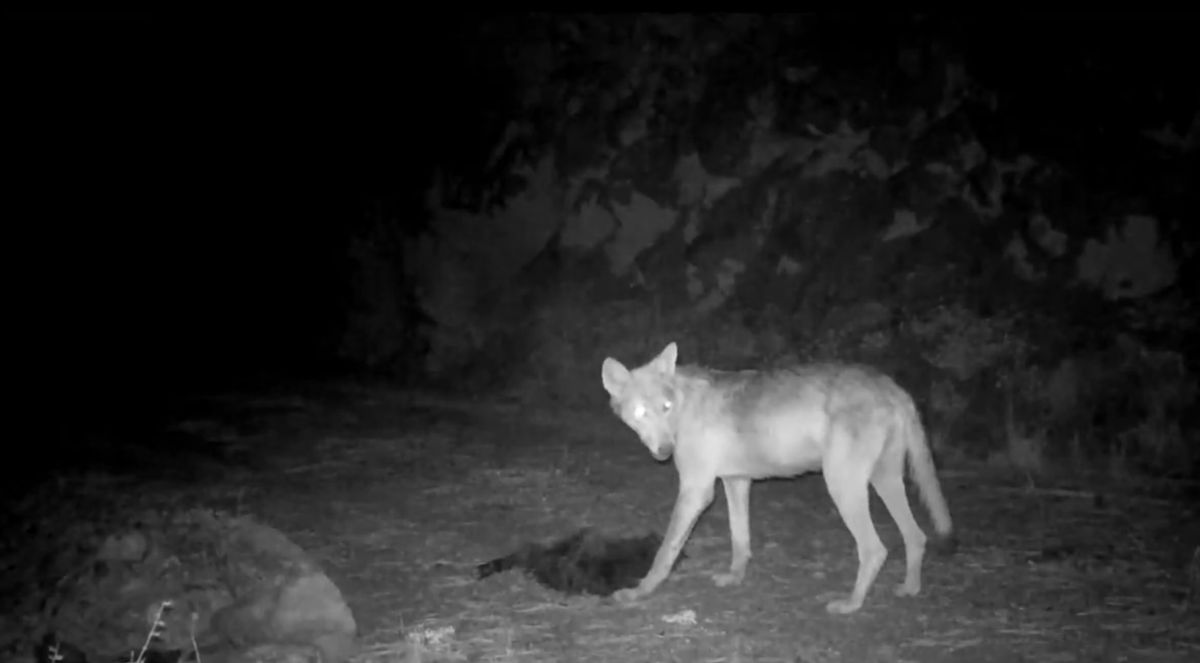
[
  {"x": 54, "y": 653},
  {"x": 157, "y": 628},
  {"x": 192, "y": 636},
  {"x": 435, "y": 640}
]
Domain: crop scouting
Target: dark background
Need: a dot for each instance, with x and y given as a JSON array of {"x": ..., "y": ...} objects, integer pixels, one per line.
[
  {"x": 186, "y": 188},
  {"x": 186, "y": 185}
]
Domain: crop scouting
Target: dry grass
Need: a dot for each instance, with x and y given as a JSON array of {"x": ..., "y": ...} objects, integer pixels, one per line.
[
  {"x": 400, "y": 501},
  {"x": 1040, "y": 575}
]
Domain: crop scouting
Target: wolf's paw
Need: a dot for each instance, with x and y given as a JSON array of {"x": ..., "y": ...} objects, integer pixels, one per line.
[
  {"x": 728, "y": 579},
  {"x": 842, "y": 606},
  {"x": 908, "y": 589},
  {"x": 627, "y": 596}
]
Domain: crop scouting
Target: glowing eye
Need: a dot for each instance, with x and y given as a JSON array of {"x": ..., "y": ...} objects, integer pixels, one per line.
[
  {"x": 666, "y": 406},
  {"x": 639, "y": 411}
]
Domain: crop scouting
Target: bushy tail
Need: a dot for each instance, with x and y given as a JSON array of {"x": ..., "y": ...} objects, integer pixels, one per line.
[{"x": 920, "y": 463}]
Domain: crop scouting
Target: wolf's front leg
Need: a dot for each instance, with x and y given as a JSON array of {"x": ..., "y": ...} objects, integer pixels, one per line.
[
  {"x": 691, "y": 502},
  {"x": 737, "y": 496}
]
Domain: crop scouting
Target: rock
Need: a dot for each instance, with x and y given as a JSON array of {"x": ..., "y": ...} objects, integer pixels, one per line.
[{"x": 294, "y": 602}]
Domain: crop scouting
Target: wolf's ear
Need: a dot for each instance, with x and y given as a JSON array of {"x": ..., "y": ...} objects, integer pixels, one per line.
[
  {"x": 615, "y": 376},
  {"x": 665, "y": 361}
]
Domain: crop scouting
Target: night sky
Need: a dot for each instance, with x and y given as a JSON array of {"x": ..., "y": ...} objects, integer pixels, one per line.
[{"x": 185, "y": 186}]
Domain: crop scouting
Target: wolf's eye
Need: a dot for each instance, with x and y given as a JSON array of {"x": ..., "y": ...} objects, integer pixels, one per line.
[
  {"x": 639, "y": 411},
  {"x": 666, "y": 406}
]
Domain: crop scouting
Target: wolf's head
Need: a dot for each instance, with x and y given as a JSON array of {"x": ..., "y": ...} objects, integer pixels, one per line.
[{"x": 646, "y": 399}]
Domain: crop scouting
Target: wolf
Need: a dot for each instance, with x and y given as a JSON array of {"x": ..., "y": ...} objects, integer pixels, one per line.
[{"x": 851, "y": 422}]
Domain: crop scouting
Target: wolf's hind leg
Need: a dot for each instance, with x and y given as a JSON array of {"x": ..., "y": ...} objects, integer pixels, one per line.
[
  {"x": 888, "y": 481},
  {"x": 846, "y": 478}
]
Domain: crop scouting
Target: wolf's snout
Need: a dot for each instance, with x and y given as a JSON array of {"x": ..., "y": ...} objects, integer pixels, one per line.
[{"x": 661, "y": 448}]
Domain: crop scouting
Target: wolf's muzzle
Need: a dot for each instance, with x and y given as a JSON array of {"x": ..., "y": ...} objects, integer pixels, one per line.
[{"x": 662, "y": 448}]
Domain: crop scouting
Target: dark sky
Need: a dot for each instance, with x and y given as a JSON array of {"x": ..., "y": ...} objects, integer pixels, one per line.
[{"x": 185, "y": 187}]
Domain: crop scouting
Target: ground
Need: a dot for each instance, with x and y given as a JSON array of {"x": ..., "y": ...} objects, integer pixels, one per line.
[{"x": 398, "y": 495}]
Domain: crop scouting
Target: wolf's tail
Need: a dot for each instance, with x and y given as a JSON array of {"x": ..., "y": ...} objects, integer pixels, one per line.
[{"x": 920, "y": 462}]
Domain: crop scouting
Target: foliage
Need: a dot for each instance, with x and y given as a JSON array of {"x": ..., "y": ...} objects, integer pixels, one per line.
[{"x": 827, "y": 202}]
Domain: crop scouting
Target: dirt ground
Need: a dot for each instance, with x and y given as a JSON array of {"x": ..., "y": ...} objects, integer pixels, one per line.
[{"x": 399, "y": 495}]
